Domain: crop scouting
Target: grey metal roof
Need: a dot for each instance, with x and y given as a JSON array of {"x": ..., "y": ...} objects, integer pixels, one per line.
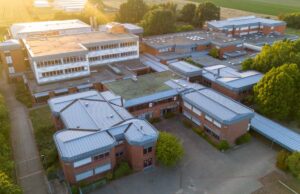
[
  {"x": 10, "y": 44},
  {"x": 231, "y": 78},
  {"x": 185, "y": 68},
  {"x": 73, "y": 145},
  {"x": 218, "y": 106},
  {"x": 92, "y": 115},
  {"x": 58, "y": 103},
  {"x": 140, "y": 132},
  {"x": 244, "y": 21},
  {"x": 276, "y": 132}
]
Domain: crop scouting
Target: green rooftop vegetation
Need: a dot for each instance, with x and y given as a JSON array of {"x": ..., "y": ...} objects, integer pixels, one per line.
[{"x": 143, "y": 86}]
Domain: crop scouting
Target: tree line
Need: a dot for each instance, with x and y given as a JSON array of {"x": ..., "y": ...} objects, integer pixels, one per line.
[
  {"x": 166, "y": 17},
  {"x": 277, "y": 94}
]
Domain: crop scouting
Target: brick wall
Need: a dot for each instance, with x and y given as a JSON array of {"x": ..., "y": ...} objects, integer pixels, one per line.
[{"x": 17, "y": 56}]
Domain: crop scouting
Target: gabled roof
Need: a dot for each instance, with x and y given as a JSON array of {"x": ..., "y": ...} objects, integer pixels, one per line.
[{"x": 218, "y": 106}]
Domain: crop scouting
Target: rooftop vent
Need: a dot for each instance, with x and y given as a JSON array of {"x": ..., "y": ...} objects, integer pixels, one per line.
[{"x": 86, "y": 104}]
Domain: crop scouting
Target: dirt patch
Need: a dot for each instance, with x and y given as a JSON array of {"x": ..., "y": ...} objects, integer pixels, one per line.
[{"x": 230, "y": 13}]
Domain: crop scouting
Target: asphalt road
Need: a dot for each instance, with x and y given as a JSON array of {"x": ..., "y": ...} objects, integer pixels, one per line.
[{"x": 29, "y": 169}]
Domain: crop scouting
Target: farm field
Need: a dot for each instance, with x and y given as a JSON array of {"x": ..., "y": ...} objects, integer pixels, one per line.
[{"x": 268, "y": 7}]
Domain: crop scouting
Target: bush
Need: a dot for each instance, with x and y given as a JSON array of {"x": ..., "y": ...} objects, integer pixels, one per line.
[
  {"x": 214, "y": 52},
  {"x": 168, "y": 149},
  {"x": 154, "y": 120},
  {"x": 293, "y": 163},
  {"x": 109, "y": 176},
  {"x": 23, "y": 94},
  {"x": 187, "y": 123},
  {"x": 184, "y": 28},
  {"x": 169, "y": 115},
  {"x": 243, "y": 139},
  {"x": 223, "y": 145},
  {"x": 281, "y": 160},
  {"x": 122, "y": 169}
]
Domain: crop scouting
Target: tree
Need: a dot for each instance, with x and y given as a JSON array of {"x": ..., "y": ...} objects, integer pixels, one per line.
[
  {"x": 159, "y": 21},
  {"x": 7, "y": 186},
  {"x": 187, "y": 13},
  {"x": 169, "y": 6},
  {"x": 276, "y": 93},
  {"x": 292, "y": 19},
  {"x": 281, "y": 159},
  {"x": 184, "y": 28},
  {"x": 205, "y": 12},
  {"x": 168, "y": 149},
  {"x": 293, "y": 163},
  {"x": 132, "y": 11},
  {"x": 214, "y": 52},
  {"x": 281, "y": 52}
]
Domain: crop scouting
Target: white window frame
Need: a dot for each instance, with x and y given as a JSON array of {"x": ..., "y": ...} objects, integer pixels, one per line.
[
  {"x": 82, "y": 162},
  {"x": 197, "y": 111},
  {"x": 217, "y": 124},
  {"x": 84, "y": 175},
  {"x": 8, "y": 60},
  {"x": 102, "y": 168},
  {"x": 187, "y": 105},
  {"x": 208, "y": 118}
]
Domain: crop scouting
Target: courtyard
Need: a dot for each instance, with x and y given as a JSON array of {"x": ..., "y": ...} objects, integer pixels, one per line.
[{"x": 203, "y": 169}]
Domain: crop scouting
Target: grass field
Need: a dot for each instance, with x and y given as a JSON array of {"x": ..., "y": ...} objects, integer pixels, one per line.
[{"x": 269, "y": 7}]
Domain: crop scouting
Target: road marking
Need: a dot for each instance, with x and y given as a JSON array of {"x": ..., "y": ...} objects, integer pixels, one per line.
[
  {"x": 31, "y": 174},
  {"x": 289, "y": 188}
]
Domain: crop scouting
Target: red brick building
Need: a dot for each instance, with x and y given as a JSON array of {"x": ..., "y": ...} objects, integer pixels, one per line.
[
  {"x": 97, "y": 134},
  {"x": 220, "y": 117},
  {"x": 248, "y": 25}
]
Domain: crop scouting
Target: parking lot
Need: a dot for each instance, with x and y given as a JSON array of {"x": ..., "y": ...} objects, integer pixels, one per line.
[{"x": 203, "y": 169}]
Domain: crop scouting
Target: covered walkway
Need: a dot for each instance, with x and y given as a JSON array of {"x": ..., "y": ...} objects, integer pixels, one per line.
[{"x": 277, "y": 133}]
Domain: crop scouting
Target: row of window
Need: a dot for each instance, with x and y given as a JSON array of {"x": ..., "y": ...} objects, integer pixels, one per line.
[
  {"x": 101, "y": 156},
  {"x": 211, "y": 133},
  {"x": 112, "y": 56},
  {"x": 59, "y": 61},
  {"x": 74, "y": 59},
  {"x": 198, "y": 112},
  {"x": 52, "y": 73},
  {"x": 49, "y": 63},
  {"x": 92, "y": 172},
  {"x": 74, "y": 70},
  {"x": 112, "y": 46}
]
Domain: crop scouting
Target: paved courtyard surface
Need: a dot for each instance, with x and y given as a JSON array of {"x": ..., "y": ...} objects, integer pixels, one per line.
[
  {"x": 29, "y": 169},
  {"x": 202, "y": 170}
]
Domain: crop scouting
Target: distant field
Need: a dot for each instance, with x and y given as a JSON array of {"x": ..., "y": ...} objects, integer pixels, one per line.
[{"x": 269, "y": 7}]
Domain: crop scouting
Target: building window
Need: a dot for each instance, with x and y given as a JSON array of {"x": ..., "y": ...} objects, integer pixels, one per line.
[
  {"x": 148, "y": 162},
  {"x": 82, "y": 162},
  {"x": 208, "y": 118},
  {"x": 147, "y": 150},
  {"x": 9, "y": 60},
  {"x": 119, "y": 154},
  {"x": 187, "y": 105},
  {"x": 210, "y": 132},
  {"x": 84, "y": 175},
  {"x": 101, "y": 156},
  {"x": 102, "y": 168},
  {"x": 196, "y": 111},
  {"x": 217, "y": 124}
]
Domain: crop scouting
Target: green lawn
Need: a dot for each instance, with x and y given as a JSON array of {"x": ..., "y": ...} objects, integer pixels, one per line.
[
  {"x": 271, "y": 7},
  {"x": 293, "y": 31},
  {"x": 43, "y": 132}
]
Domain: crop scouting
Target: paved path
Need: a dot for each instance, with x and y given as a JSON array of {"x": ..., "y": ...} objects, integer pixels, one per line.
[{"x": 28, "y": 165}]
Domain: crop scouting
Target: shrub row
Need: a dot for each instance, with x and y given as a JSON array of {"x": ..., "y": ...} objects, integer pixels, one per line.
[
  {"x": 289, "y": 162},
  {"x": 23, "y": 95},
  {"x": 7, "y": 172}
]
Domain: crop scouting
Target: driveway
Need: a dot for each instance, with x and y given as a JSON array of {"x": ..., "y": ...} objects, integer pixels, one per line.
[
  {"x": 202, "y": 170},
  {"x": 29, "y": 170}
]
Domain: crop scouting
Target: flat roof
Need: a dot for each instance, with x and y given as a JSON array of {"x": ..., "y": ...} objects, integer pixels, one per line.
[
  {"x": 218, "y": 106},
  {"x": 31, "y": 27},
  {"x": 98, "y": 75},
  {"x": 186, "y": 69},
  {"x": 240, "y": 21},
  {"x": 142, "y": 85},
  {"x": 189, "y": 38},
  {"x": 281, "y": 135},
  {"x": 231, "y": 78},
  {"x": 43, "y": 46}
]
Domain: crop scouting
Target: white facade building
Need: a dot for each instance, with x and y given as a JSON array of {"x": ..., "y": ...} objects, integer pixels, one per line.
[
  {"x": 60, "y": 58},
  {"x": 64, "y": 27}
]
